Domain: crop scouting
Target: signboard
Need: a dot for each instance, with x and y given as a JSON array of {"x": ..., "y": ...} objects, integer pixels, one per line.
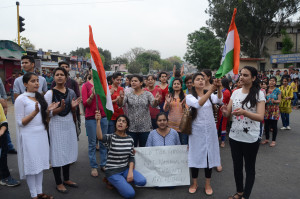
[
  {"x": 164, "y": 165},
  {"x": 285, "y": 58}
]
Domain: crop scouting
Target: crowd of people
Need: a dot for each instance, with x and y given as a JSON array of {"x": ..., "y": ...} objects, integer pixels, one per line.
[{"x": 146, "y": 113}]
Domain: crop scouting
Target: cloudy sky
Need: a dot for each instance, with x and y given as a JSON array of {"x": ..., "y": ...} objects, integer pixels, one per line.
[{"x": 118, "y": 25}]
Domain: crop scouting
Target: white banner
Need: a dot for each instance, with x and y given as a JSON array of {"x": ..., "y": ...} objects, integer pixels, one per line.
[{"x": 164, "y": 165}]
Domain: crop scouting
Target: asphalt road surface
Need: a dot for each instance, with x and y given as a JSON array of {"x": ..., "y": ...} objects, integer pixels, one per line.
[{"x": 277, "y": 173}]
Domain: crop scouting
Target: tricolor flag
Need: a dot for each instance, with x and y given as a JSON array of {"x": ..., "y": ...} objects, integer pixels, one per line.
[
  {"x": 231, "y": 53},
  {"x": 99, "y": 77}
]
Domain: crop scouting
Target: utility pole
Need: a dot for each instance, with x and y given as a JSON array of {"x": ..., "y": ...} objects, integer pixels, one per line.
[{"x": 17, "y": 3}]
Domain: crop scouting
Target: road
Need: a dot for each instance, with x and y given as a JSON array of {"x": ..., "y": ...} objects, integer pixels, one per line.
[{"x": 277, "y": 173}]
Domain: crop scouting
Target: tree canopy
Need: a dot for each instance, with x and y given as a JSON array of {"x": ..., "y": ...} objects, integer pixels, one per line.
[
  {"x": 203, "y": 49},
  {"x": 256, "y": 20}
]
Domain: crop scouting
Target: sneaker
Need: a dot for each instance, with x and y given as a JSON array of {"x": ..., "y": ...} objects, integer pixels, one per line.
[
  {"x": 13, "y": 151},
  {"x": 288, "y": 128},
  {"x": 9, "y": 181},
  {"x": 283, "y": 128}
]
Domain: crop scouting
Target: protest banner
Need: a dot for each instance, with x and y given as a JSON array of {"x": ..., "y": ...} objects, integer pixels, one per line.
[{"x": 163, "y": 165}]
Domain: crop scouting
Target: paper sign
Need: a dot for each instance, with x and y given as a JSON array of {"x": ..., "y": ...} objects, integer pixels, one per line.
[{"x": 164, "y": 165}]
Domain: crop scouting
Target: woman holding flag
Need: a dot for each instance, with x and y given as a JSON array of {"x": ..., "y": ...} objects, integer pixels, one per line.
[{"x": 89, "y": 102}]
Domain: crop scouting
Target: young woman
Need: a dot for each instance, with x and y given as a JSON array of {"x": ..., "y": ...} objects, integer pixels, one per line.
[
  {"x": 154, "y": 90},
  {"x": 272, "y": 112},
  {"x": 294, "y": 85},
  {"x": 163, "y": 78},
  {"x": 32, "y": 138},
  {"x": 175, "y": 103},
  {"x": 222, "y": 121},
  {"x": 120, "y": 158},
  {"x": 138, "y": 102},
  {"x": 208, "y": 78},
  {"x": 89, "y": 102},
  {"x": 189, "y": 84},
  {"x": 204, "y": 149},
  {"x": 163, "y": 135},
  {"x": 247, "y": 106},
  {"x": 115, "y": 90},
  {"x": 62, "y": 131},
  {"x": 285, "y": 103}
]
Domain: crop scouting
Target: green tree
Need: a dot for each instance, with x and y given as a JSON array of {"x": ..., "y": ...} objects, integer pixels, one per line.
[
  {"x": 287, "y": 43},
  {"x": 120, "y": 60},
  {"x": 175, "y": 60},
  {"x": 25, "y": 43},
  {"x": 257, "y": 21},
  {"x": 203, "y": 49},
  {"x": 157, "y": 66},
  {"x": 166, "y": 65},
  {"x": 134, "y": 68}
]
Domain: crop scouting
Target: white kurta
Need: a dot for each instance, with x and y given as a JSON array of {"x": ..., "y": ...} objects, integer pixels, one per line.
[
  {"x": 203, "y": 142},
  {"x": 32, "y": 139},
  {"x": 63, "y": 137}
]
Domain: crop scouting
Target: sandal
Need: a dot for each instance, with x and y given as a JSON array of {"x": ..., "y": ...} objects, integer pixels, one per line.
[
  {"x": 235, "y": 196},
  {"x": 193, "y": 190},
  {"x": 108, "y": 184},
  {"x": 273, "y": 144},
  {"x": 44, "y": 196},
  {"x": 265, "y": 142},
  {"x": 208, "y": 194},
  {"x": 94, "y": 172}
]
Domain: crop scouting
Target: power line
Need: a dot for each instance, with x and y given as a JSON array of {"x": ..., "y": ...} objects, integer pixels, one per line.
[{"x": 79, "y": 3}]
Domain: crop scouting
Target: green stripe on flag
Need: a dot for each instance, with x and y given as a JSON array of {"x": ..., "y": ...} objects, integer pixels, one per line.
[
  {"x": 227, "y": 65},
  {"x": 100, "y": 91}
]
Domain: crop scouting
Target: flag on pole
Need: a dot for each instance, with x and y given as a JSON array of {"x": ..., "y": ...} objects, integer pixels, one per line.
[
  {"x": 99, "y": 77},
  {"x": 231, "y": 53}
]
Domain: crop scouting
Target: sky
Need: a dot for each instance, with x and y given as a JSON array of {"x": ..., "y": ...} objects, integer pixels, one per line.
[{"x": 118, "y": 25}]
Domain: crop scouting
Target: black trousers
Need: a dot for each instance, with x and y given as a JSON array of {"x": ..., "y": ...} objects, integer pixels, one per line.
[
  {"x": 207, "y": 171},
  {"x": 57, "y": 173},
  {"x": 240, "y": 152},
  {"x": 4, "y": 171},
  {"x": 271, "y": 124}
]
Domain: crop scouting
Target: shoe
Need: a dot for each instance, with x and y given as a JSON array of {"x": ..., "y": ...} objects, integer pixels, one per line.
[
  {"x": 10, "y": 182},
  {"x": 94, "y": 172},
  {"x": 62, "y": 190},
  {"x": 193, "y": 190},
  {"x": 283, "y": 128},
  {"x": 13, "y": 151},
  {"x": 74, "y": 185},
  {"x": 288, "y": 128}
]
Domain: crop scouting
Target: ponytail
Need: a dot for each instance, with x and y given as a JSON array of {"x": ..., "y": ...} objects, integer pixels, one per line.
[{"x": 44, "y": 107}]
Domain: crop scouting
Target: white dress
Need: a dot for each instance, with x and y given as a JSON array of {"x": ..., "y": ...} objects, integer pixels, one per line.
[
  {"x": 32, "y": 139},
  {"x": 203, "y": 142},
  {"x": 63, "y": 137}
]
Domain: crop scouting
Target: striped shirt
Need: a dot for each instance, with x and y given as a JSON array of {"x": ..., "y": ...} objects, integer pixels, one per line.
[{"x": 120, "y": 153}]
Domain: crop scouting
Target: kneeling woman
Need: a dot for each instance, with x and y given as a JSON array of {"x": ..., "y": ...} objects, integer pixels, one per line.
[{"x": 120, "y": 158}]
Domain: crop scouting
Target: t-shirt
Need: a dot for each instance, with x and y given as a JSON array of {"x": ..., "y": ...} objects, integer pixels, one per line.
[
  {"x": 243, "y": 128},
  {"x": 19, "y": 87}
]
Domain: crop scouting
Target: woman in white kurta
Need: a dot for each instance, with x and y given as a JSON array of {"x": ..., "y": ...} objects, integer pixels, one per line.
[
  {"x": 204, "y": 149},
  {"x": 32, "y": 139},
  {"x": 62, "y": 131}
]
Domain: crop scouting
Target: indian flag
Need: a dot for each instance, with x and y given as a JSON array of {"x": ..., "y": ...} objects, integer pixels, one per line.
[
  {"x": 231, "y": 53},
  {"x": 99, "y": 77}
]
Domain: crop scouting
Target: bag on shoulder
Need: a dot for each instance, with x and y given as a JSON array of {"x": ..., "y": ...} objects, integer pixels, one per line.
[{"x": 185, "y": 125}]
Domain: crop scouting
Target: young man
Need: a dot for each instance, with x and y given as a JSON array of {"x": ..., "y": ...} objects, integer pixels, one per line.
[
  {"x": 49, "y": 80},
  {"x": 28, "y": 65},
  {"x": 278, "y": 78}
]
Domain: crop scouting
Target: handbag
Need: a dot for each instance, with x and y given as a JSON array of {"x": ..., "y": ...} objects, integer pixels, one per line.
[{"x": 185, "y": 125}]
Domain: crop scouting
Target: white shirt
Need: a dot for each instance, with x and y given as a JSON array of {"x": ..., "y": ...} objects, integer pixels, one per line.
[{"x": 243, "y": 128}]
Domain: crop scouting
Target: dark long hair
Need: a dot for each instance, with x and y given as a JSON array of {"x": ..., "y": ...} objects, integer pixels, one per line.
[
  {"x": 40, "y": 98},
  {"x": 225, "y": 83},
  {"x": 181, "y": 94},
  {"x": 208, "y": 73},
  {"x": 194, "y": 93},
  {"x": 254, "y": 90}
]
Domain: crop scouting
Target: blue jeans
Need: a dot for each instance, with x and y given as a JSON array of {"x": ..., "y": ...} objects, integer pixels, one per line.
[
  {"x": 9, "y": 143},
  {"x": 184, "y": 138},
  {"x": 90, "y": 126},
  {"x": 119, "y": 181},
  {"x": 139, "y": 138},
  {"x": 295, "y": 101},
  {"x": 12, "y": 96},
  {"x": 285, "y": 118},
  {"x": 111, "y": 126}
]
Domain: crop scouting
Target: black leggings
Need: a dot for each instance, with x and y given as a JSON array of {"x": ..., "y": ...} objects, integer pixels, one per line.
[
  {"x": 271, "y": 124},
  {"x": 207, "y": 171},
  {"x": 57, "y": 173},
  {"x": 241, "y": 151}
]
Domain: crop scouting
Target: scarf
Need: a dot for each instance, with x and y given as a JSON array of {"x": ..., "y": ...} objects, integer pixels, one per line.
[{"x": 58, "y": 96}]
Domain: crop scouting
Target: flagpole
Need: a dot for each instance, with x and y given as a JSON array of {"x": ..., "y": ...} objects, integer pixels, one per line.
[{"x": 97, "y": 106}]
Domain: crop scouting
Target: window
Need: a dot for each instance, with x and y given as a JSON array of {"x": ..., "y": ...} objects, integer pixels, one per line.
[
  {"x": 274, "y": 66},
  {"x": 262, "y": 66},
  {"x": 278, "y": 45}
]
